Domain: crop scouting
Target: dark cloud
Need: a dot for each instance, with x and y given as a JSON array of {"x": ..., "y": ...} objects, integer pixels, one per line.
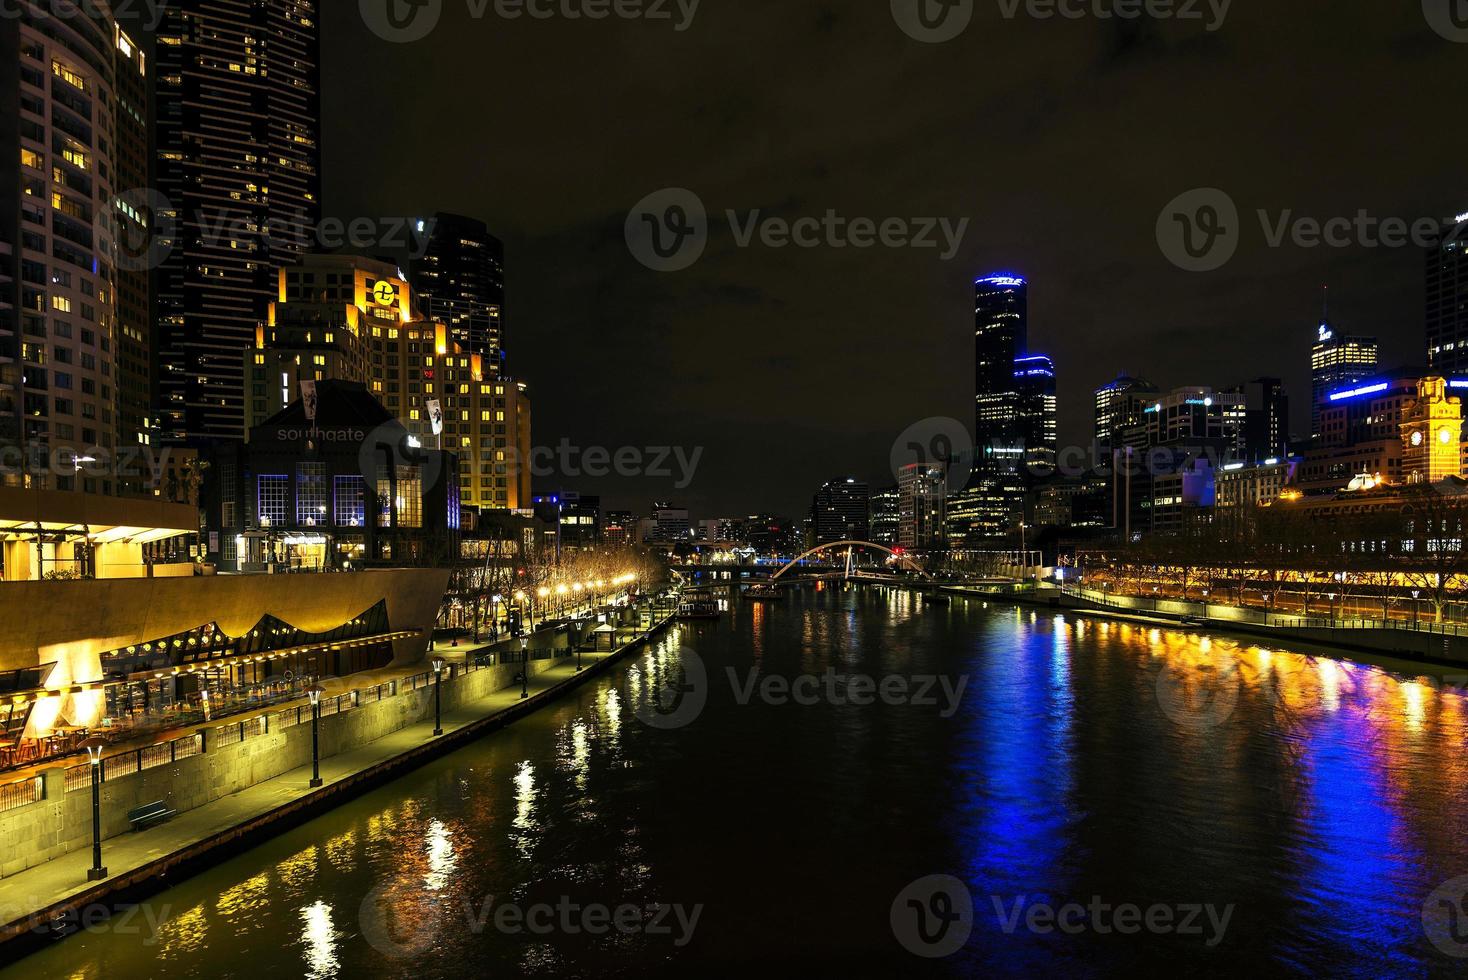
[{"x": 1059, "y": 141}]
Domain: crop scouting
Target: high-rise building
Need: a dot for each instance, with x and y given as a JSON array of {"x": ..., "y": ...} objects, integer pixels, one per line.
[
  {"x": 58, "y": 281},
  {"x": 132, "y": 162},
  {"x": 348, "y": 318},
  {"x": 1001, "y": 336},
  {"x": 922, "y": 490},
  {"x": 1336, "y": 362},
  {"x": 238, "y": 162},
  {"x": 460, "y": 281},
  {"x": 670, "y": 523},
  {"x": 1401, "y": 426},
  {"x": 1009, "y": 411},
  {"x": 841, "y": 511},
  {"x": 1119, "y": 406},
  {"x": 1034, "y": 378},
  {"x": 1266, "y": 418},
  {"x": 886, "y": 515},
  {"x": 1447, "y": 299}
]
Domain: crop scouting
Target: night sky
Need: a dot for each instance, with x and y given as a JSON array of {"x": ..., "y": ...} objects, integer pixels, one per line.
[{"x": 1061, "y": 141}]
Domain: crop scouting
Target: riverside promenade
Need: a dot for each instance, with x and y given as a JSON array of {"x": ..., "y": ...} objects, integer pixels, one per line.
[{"x": 51, "y": 899}]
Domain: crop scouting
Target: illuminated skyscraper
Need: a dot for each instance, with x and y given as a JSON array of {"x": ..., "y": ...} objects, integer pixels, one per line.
[
  {"x": 1447, "y": 299},
  {"x": 1119, "y": 406},
  {"x": 58, "y": 259},
  {"x": 841, "y": 511},
  {"x": 460, "y": 282},
  {"x": 1337, "y": 362},
  {"x": 238, "y": 128},
  {"x": 1034, "y": 377}
]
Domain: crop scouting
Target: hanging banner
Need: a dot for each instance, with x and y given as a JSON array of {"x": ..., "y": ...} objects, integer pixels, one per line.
[
  {"x": 435, "y": 415},
  {"x": 308, "y": 399}
]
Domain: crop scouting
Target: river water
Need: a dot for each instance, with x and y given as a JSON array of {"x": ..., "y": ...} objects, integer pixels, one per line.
[{"x": 851, "y": 781}]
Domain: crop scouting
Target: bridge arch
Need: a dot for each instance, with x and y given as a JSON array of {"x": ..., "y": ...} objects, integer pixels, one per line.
[{"x": 849, "y": 544}]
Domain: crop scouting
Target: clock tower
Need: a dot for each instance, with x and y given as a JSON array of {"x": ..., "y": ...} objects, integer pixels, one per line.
[{"x": 1432, "y": 434}]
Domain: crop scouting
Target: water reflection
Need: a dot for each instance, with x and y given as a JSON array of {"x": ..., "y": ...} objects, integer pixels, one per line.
[
  {"x": 1321, "y": 797},
  {"x": 319, "y": 937}
]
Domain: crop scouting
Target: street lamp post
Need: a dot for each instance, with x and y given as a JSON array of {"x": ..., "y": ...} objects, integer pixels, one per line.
[
  {"x": 437, "y": 696},
  {"x": 524, "y": 667},
  {"x": 93, "y": 746},
  {"x": 314, "y": 692},
  {"x": 1415, "y": 594}
]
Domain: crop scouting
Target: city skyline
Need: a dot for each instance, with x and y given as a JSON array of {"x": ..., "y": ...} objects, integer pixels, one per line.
[{"x": 902, "y": 315}]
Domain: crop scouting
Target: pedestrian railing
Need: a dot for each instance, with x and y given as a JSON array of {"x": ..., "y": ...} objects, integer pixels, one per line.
[
  {"x": 1239, "y": 614},
  {"x": 77, "y": 777},
  {"x": 13, "y": 796}
]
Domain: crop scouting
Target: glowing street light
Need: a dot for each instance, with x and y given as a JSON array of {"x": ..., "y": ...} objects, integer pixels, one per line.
[
  {"x": 94, "y": 746},
  {"x": 438, "y": 665},
  {"x": 314, "y": 692}
]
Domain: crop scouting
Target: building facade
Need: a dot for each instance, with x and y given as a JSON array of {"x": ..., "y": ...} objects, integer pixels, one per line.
[
  {"x": 1446, "y": 314},
  {"x": 1336, "y": 362},
  {"x": 59, "y": 364},
  {"x": 336, "y": 484},
  {"x": 1119, "y": 406},
  {"x": 350, "y": 318},
  {"x": 460, "y": 282},
  {"x": 841, "y": 511},
  {"x": 922, "y": 490},
  {"x": 239, "y": 170}
]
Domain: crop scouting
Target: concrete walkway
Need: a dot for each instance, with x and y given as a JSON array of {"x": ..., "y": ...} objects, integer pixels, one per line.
[{"x": 36, "y": 897}]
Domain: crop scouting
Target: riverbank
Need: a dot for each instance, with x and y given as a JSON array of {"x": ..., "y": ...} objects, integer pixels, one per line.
[
  {"x": 1402, "y": 646},
  {"x": 54, "y": 898}
]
